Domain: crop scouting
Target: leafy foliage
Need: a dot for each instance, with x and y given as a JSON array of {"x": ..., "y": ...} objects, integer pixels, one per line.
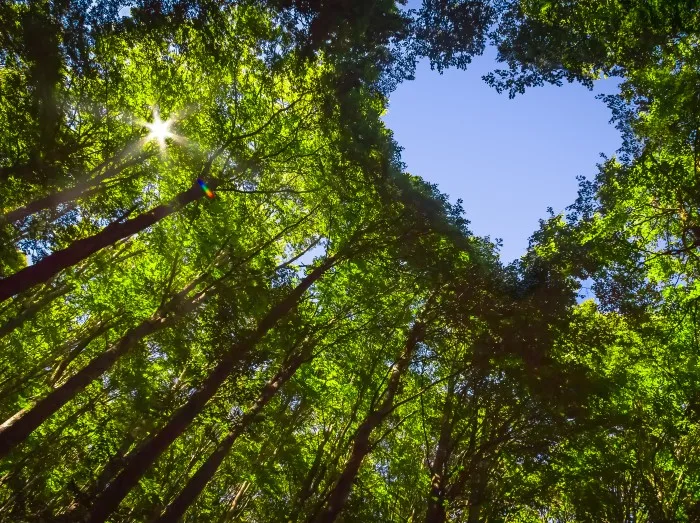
[{"x": 326, "y": 339}]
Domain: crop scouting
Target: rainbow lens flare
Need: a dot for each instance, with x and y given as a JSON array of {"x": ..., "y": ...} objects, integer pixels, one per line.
[{"x": 207, "y": 190}]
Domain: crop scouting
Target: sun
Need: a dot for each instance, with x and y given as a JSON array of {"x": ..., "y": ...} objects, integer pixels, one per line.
[{"x": 159, "y": 130}]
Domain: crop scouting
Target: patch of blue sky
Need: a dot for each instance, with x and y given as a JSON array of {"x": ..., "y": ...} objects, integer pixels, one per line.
[{"x": 508, "y": 159}]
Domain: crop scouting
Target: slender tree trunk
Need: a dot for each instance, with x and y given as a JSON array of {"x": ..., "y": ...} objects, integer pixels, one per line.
[
  {"x": 17, "y": 428},
  {"x": 73, "y": 349},
  {"x": 77, "y": 349},
  {"x": 32, "y": 310},
  {"x": 310, "y": 481},
  {"x": 67, "y": 195},
  {"x": 143, "y": 457},
  {"x": 30, "y": 305},
  {"x": 436, "y": 512},
  {"x": 478, "y": 482},
  {"x": 337, "y": 452},
  {"x": 206, "y": 471},
  {"x": 361, "y": 443},
  {"x": 474, "y": 509},
  {"x": 226, "y": 516},
  {"x": 81, "y": 249}
]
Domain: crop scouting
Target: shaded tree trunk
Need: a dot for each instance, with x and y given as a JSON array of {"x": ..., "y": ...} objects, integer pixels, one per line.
[
  {"x": 32, "y": 310},
  {"x": 143, "y": 457},
  {"x": 73, "y": 350},
  {"x": 478, "y": 488},
  {"x": 77, "y": 251},
  {"x": 17, "y": 428},
  {"x": 28, "y": 308},
  {"x": 206, "y": 471},
  {"x": 361, "y": 443},
  {"x": 77, "y": 349},
  {"x": 310, "y": 484},
  {"x": 436, "y": 512}
]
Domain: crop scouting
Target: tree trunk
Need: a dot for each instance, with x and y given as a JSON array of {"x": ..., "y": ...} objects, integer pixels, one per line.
[
  {"x": 310, "y": 484},
  {"x": 228, "y": 514},
  {"x": 73, "y": 349},
  {"x": 361, "y": 445},
  {"x": 436, "y": 512},
  {"x": 17, "y": 428},
  {"x": 67, "y": 195},
  {"x": 436, "y": 502},
  {"x": 77, "y": 251},
  {"x": 142, "y": 458},
  {"x": 32, "y": 310},
  {"x": 478, "y": 485},
  {"x": 474, "y": 509},
  {"x": 206, "y": 471},
  {"x": 77, "y": 349}
]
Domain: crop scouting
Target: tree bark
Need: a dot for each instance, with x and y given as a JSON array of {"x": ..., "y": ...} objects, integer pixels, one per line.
[
  {"x": 144, "y": 456},
  {"x": 77, "y": 251},
  {"x": 17, "y": 428},
  {"x": 206, "y": 471},
  {"x": 361, "y": 442}
]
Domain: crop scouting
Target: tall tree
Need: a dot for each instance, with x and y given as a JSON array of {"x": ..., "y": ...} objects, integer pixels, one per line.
[
  {"x": 149, "y": 451},
  {"x": 361, "y": 444},
  {"x": 206, "y": 471}
]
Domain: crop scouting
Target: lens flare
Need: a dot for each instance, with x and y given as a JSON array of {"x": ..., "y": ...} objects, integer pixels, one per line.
[{"x": 210, "y": 194}]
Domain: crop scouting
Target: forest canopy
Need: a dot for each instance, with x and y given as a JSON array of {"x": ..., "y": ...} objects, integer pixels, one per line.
[{"x": 223, "y": 298}]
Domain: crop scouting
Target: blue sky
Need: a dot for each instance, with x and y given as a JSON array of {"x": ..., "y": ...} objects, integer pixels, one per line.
[{"x": 507, "y": 159}]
